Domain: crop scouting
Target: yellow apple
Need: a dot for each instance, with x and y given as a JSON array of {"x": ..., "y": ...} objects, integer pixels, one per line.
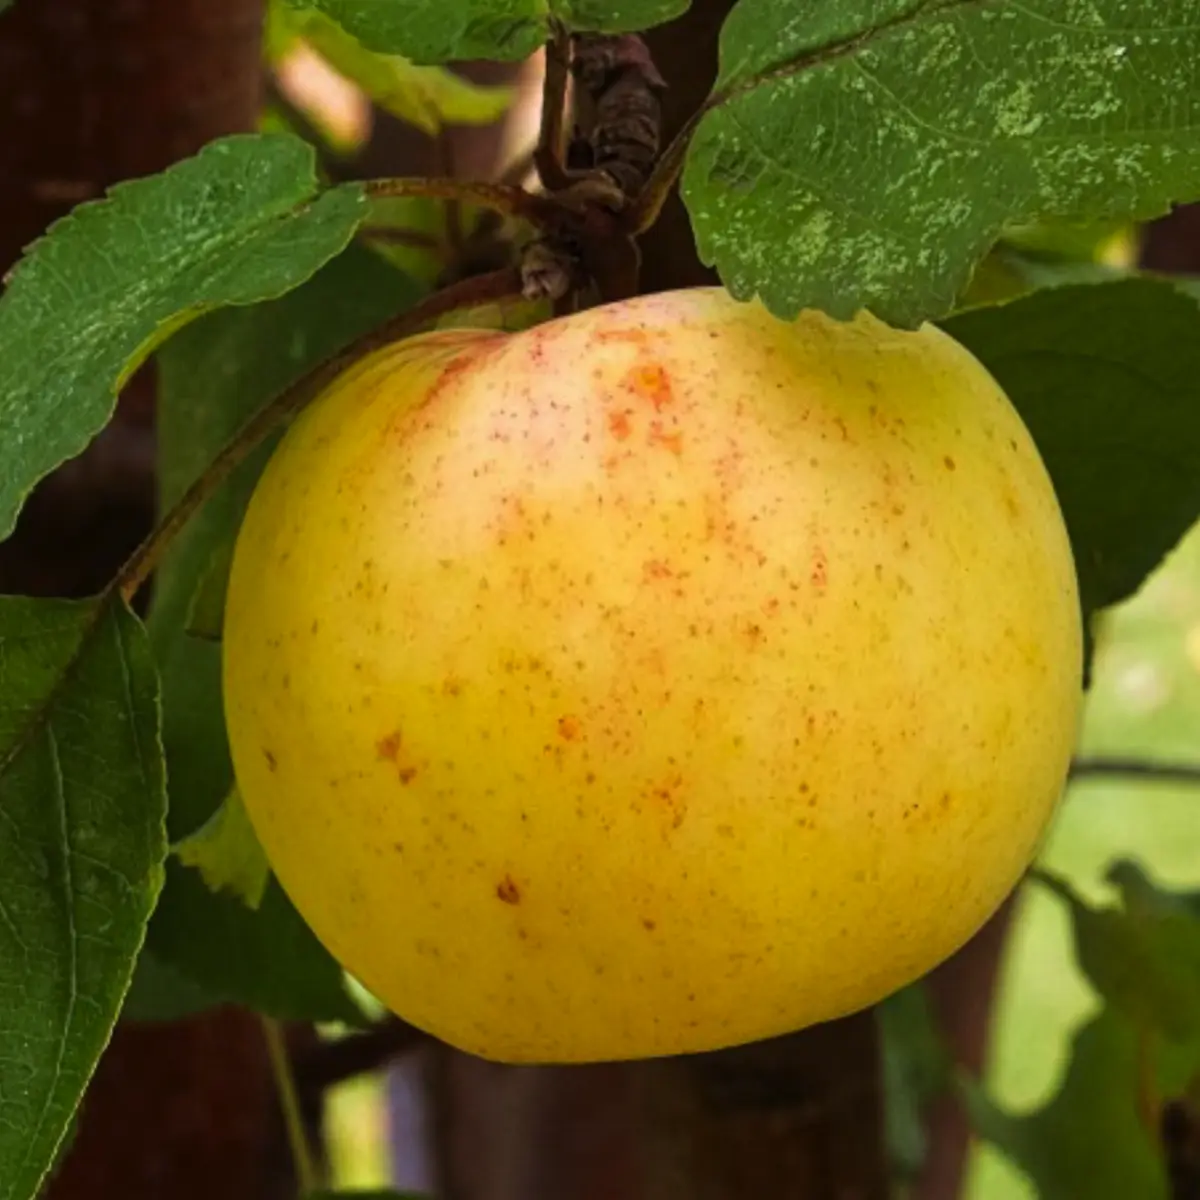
[{"x": 661, "y": 678}]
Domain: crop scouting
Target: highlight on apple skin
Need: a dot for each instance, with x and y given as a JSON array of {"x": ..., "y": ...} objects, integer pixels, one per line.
[{"x": 658, "y": 679}]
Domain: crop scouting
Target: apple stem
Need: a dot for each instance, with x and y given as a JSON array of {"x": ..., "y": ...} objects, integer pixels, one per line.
[{"x": 587, "y": 216}]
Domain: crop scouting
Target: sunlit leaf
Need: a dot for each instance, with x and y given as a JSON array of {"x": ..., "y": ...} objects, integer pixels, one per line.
[
  {"x": 867, "y": 153},
  {"x": 240, "y": 222},
  {"x": 227, "y": 853}
]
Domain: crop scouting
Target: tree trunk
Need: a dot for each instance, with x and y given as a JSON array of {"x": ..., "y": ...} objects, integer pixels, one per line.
[{"x": 92, "y": 92}]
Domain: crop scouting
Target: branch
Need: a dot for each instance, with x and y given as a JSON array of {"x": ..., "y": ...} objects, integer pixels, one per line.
[
  {"x": 512, "y": 201},
  {"x": 622, "y": 82},
  {"x": 330, "y": 1063},
  {"x": 549, "y": 153},
  {"x": 480, "y": 289},
  {"x": 646, "y": 210},
  {"x": 1134, "y": 768}
]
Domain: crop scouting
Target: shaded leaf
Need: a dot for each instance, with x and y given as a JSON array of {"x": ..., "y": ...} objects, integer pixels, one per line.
[
  {"x": 1144, "y": 957},
  {"x": 1107, "y": 378},
  {"x": 214, "y": 375},
  {"x": 1008, "y": 273},
  {"x": 424, "y": 96},
  {"x": 266, "y": 958},
  {"x": 206, "y": 612},
  {"x": 158, "y": 992},
  {"x": 239, "y": 222},
  {"x": 866, "y": 154},
  {"x": 227, "y": 853},
  {"x": 1068, "y": 240},
  {"x": 1095, "y": 1138},
  {"x": 81, "y": 850},
  {"x": 411, "y": 232},
  {"x": 438, "y": 31},
  {"x": 916, "y": 1068}
]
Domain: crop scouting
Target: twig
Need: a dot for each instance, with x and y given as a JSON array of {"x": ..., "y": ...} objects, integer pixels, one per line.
[
  {"x": 647, "y": 208},
  {"x": 1051, "y": 882},
  {"x": 1134, "y": 768},
  {"x": 330, "y": 1063},
  {"x": 480, "y": 289},
  {"x": 307, "y": 1178},
  {"x": 548, "y": 155},
  {"x": 512, "y": 201}
]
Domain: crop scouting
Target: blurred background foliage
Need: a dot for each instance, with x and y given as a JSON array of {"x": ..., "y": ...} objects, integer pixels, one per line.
[{"x": 1144, "y": 704}]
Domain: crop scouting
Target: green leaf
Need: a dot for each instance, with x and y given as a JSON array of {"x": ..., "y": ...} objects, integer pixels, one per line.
[
  {"x": 81, "y": 851},
  {"x": 427, "y": 97},
  {"x": 438, "y": 31},
  {"x": 213, "y": 376},
  {"x": 266, "y": 958},
  {"x": 1070, "y": 240},
  {"x": 866, "y": 154},
  {"x": 1008, "y": 272},
  {"x": 238, "y": 223},
  {"x": 1089, "y": 1142},
  {"x": 1107, "y": 378},
  {"x": 158, "y": 992},
  {"x": 916, "y": 1068},
  {"x": 227, "y": 853},
  {"x": 206, "y": 612},
  {"x": 1143, "y": 958}
]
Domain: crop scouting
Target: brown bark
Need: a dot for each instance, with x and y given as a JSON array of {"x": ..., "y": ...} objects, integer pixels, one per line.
[
  {"x": 796, "y": 1118},
  {"x": 91, "y": 92},
  {"x": 176, "y": 1111},
  {"x": 962, "y": 992},
  {"x": 94, "y": 91},
  {"x": 1173, "y": 243}
]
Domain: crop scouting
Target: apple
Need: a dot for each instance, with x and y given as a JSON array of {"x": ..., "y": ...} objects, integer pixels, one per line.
[{"x": 661, "y": 678}]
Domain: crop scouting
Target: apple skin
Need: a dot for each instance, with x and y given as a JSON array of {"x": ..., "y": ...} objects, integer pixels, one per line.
[{"x": 658, "y": 679}]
